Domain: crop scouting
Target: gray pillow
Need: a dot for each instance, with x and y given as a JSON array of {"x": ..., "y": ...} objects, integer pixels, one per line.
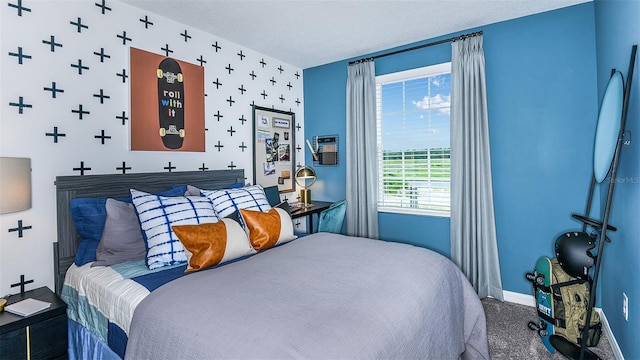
[{"x": 121, "y": 239}]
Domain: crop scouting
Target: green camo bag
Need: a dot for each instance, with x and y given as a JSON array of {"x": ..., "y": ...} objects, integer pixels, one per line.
[{"x": 570, "y": 301}]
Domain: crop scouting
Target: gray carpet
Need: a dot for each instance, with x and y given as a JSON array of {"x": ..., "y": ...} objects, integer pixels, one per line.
[{"x": 510, "y": 338}]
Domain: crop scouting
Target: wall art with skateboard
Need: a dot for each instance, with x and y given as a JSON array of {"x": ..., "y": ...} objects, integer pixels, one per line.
[{"x": 167, "y": 103}]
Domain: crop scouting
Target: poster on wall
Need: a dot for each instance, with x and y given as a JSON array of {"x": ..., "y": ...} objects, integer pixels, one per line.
[
  {"x": 167, "y": 103},
  {"x": 273, "y": 145}
]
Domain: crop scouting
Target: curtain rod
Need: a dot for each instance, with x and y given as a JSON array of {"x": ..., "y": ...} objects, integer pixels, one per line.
[{"x": 455, "y": 38}]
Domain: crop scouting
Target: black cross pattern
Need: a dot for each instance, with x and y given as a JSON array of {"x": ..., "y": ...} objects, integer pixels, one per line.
[
  {"x": 146, "y": 22},
  {"x": 264, "y": 94},
  {"x": 280, "y": 69},
  {"x": 203, "y": 168},
  {"x": 21, "y": 105},
  {"x": 216, "y": 46},
  {"x": 123, "y": 117},
  {"x": 185, "y": 35},
  {"x": 102, "y": 96},
  {"x": 20, "y": 55},
  {"x": 82, "y": 168},
  {"x": 297, "y": 75},
  {"x": 20, "y": 229},
  {"x": 298, "y": 127},
  {"x": 19, "y": 7},
  {"x": 231, "y": 131},
  {"x": 124, "y": 38},
  {"x": 80, "y": 67},
  {"x": 219, "y": 146},
  {"x": 263, "y": 63},
  {"x": 170, "y": 167},
  {"x": 298, "y": 148},
  {"x": 229, "y": 69},
  {"x": 124, "y": 167},
  {"x": 102, "y": 54},
  {"x": 242, "y": 56},
  {"x": 289, "y": 85},
  {"x": 22, "y": 283},
  {"x": 102, "y": 137},
  {"x": 218, "y": 115},
  {"x": 242, "y": 89},
  {"x": 232, "y": 166},
  {"x": 281, "y": 98},
  {"x": 242, "y": 119},
  {"x": 80, "y": 112},
  {"x": 103, "y": 7},
  {"x": 298, "y": 101},
  {"x": 243, "y": 146},
  {"x": 230, "y": 100},
  {"x": 253, "y": 75},
  {"x": 166, "y": 50},
  {"x": 217, "y": 83},
  {"x": 54, "y": 90},
  {"x": 273, "y": 81},
  {"x": 55, "y": 134},
  {"x": 201, "y": 60},
  {"x": 79, "y": 25},
  {"x": 52, "y": 43},
  {"x": 123, "y": 75}
]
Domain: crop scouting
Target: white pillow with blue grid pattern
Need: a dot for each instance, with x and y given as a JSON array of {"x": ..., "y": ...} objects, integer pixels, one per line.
[
  {"x": 158, "y": 213},
  {"x": 227, "y": 201}
]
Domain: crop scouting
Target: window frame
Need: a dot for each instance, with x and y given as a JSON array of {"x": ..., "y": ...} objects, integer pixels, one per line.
[{"x": 404, "y": 76}]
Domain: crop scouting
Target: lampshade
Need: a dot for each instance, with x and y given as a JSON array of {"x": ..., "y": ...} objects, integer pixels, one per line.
[
  {"x": 305, "y": 173},
  {"x": 15, "y": 184}
]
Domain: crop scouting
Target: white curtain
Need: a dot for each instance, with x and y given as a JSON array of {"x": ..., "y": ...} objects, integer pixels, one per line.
[
  {"x": 474, "y": 246},
  {"x": 362, "y": 173}
]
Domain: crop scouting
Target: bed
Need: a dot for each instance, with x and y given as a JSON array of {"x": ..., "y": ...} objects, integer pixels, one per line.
[{"x": 318, "y": 296}]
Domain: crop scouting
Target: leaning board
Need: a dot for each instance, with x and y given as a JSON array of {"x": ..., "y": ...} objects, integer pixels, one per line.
[{"x": 118, "y": 185}]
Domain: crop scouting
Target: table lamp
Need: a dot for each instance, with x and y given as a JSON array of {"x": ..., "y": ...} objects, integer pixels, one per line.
[
  {"x": 305, "y": 177},
  {"x": 15, "y": 184}
]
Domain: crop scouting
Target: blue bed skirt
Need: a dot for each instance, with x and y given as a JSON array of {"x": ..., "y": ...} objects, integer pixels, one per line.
[{"x": 84, "y": 345}]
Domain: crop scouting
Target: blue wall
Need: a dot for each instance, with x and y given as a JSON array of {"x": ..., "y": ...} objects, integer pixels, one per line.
[
  {"x": 617, "y": 29},
  {"x": 542, "y": 99}
]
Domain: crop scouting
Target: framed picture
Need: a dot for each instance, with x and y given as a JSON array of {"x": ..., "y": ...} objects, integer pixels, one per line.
[
  {"x": 167, "y": 103},
  {"x": 273, "y": 148}
]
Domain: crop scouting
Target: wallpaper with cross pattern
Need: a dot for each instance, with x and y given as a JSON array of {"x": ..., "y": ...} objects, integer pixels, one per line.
[{"x": 65, "y": 104}]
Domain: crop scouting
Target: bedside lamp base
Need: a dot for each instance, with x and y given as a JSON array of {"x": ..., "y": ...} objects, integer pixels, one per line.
[{"x": 305, "y": 196}]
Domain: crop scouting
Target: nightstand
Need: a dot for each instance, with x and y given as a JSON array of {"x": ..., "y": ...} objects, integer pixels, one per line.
[{"x": 42, "y": 335}]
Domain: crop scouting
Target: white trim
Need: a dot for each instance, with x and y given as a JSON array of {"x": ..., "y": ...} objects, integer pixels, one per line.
[
  {"x": 529, "y": 300},
  {"x": 612, "y": 340},
  {"x": 411, "y": 74},
  {"x": 519, "y": 298}
]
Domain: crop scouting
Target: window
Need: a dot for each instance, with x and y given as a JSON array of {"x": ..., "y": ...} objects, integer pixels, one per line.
[{"x": 414, "y": 148}]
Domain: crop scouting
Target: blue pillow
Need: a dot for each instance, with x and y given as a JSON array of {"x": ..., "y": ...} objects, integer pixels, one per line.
[
  {"x": 86, "y": 252},
  {"x": 89, "y": 215}
]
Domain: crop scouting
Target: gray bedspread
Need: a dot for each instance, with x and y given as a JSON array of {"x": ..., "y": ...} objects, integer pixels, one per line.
[{"x": 323, "y": 296}]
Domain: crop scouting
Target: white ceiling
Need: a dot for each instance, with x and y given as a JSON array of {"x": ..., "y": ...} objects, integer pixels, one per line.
[{"x": 307, "y": 33}]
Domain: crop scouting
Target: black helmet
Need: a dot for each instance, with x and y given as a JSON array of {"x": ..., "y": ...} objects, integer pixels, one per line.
[{"x": 572, "y": 252}]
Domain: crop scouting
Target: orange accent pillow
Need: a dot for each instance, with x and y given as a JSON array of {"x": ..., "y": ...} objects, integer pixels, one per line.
[
  {"x": 267, "y": 229},
  {"x": 211, "y": 244}
]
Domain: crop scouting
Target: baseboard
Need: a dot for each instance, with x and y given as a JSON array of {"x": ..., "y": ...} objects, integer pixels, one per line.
[
  {"x": 612, "y": 340},
  {"x": 519, "y": 298},
  {"x": 529, "y": 300}
]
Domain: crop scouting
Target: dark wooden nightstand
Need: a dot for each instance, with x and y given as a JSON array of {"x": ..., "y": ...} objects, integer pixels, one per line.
[
  {"x": 315, "y": 207},
  {"x": 42, "y": 335}
]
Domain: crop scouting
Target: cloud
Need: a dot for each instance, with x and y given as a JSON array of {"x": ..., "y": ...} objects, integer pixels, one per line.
[{"x": 438, "y": 102}]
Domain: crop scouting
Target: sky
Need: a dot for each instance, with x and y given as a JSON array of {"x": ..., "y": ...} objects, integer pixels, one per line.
[{"x": 420, "y": 107}]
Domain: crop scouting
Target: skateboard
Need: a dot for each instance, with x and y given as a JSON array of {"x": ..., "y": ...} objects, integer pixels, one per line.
[
  {"x": 543, "y": 294},
  {"x": 171, "y": 103}
]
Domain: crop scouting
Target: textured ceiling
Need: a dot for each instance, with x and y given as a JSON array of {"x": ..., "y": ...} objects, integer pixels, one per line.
[{"x": 307, "y": 33}]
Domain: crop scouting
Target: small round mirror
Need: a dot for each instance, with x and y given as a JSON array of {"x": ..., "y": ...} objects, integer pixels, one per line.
[{"x": 608, "y": 127}]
